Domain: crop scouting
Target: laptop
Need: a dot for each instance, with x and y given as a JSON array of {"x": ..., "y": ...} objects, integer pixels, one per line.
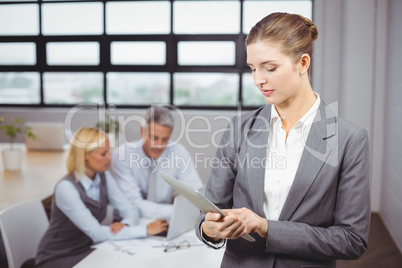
[
  {"x": 182, "y": 220},
  {"x": 49, "y": 136}
]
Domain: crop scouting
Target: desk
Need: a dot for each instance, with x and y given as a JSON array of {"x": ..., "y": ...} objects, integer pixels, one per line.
[
  {"x": 196, "y": 256},
  {"x": 39, "y": 173}
]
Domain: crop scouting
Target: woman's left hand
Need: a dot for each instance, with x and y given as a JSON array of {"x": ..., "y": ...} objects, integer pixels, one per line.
[
  {"x": 253, "y": 222},
  {"x": 116, "y": 227}
]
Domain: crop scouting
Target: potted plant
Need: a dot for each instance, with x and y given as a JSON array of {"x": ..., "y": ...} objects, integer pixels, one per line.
[
  {"x": 110, "y": 126},
  {"x": 12, "y": 157}
]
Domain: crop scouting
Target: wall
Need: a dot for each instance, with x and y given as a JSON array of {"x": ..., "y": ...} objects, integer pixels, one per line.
[
  {"x": 391, "y": 195},
  {"x": 348, "y": 71}
]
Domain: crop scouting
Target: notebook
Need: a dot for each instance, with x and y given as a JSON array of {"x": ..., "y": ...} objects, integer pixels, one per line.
[
  {"x": 182, "y": 220},
  {"x": 50, "y": 136}
]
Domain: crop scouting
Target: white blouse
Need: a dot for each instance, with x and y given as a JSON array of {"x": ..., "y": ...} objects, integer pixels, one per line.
[{"x": 283, "y": 158}]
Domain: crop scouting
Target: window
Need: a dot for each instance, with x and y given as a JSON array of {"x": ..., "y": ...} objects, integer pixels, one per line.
[
  {"x": 189, "y": 54},
  {"x": 253, "y": 11},
  {"x": 18, "y": 53},
  {"x": 22, "y": 19},
  {"x": 72, "y": 18},
  {"x": 23, "y": 87},
  {"x": 206, "y": 53},
  {"x": 72, "y": 87},
  {"x": 126, "y": 88},
  {"x": 206, "y": 17},
  {"x": 138, "y": 53},
  {"x": 138, "y": 17},
  {"x": 72, "y": 53},
  {"x": 205, "y": 89}
]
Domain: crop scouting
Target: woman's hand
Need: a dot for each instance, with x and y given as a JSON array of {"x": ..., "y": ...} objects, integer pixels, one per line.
[
  {"x": 253, "y": 222},
  {"x": 236, "y": 223},
  {"x": 216, "y": 228},
  {"x": 157, "y": 227},
  {"x": 116, "y": 227}
]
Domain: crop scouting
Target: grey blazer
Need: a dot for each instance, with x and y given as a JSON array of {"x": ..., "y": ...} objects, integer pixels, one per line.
[{"x": 326, "y": 215}]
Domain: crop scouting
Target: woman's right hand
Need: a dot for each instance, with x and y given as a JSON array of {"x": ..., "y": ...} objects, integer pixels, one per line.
[
  {"x": 215, "y": 228},
  {"x": 157, "y": 227}
]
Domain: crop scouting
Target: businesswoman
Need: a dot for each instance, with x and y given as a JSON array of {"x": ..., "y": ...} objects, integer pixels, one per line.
[
  {"x": 80, "y": 201},
  {"x": 293, "y": 174}
]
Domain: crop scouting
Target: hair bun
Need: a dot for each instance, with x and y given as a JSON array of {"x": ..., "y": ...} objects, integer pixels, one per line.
[
  {"x": 311, "y": 26},
  {"x": 313, "y": 31}
]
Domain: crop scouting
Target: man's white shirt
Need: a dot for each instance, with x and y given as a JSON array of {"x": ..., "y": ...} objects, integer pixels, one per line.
[{"x": 131, "y": 168}]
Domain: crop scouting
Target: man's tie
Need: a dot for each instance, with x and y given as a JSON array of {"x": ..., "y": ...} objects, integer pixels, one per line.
[{"x": 151, "y": 196}]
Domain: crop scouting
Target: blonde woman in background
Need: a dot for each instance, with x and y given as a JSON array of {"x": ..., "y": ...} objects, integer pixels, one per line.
[{"x": 80, "y": 204}]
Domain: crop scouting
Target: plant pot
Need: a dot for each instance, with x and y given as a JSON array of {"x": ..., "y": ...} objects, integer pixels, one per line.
[{"x": 12, "y": 159}]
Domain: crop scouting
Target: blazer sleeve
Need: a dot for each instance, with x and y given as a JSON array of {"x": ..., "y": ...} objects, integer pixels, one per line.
[
  {"x": 223, "y": 166},
  {"x": 347, "y": 237}
]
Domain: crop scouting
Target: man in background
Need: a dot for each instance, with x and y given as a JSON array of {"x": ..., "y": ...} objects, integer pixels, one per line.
[{"x": 136, "y": 165}]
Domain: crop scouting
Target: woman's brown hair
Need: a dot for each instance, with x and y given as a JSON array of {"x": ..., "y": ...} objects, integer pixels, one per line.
[{"x": 293, "y": 32}]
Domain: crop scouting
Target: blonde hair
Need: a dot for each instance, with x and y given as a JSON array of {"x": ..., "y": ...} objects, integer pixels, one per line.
[
  {"x": 84, "y": 141},
  {"x": 293, "y": 32}
]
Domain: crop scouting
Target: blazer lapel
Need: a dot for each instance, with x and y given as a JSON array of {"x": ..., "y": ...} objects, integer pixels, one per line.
[
  {"x": 256, "y": 144},
  {"x": 314, "y": 156}
]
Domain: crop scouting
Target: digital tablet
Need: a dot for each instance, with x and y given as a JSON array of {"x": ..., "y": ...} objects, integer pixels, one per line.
[{"x": 197, "y": 199}]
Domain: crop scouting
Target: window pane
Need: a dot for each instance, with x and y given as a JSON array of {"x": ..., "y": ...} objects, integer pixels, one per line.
[
  {"x": 138, "y": 88},
  {"x": 206, "y": 17},
  {"x": 206, "y": 89},
  {"x": 251, "y": 95},
  {"x": 72, "y": 88},
  {"x": 142, "y": 17},
  {"x": 206, "y": 53},
  {"x": 17, "y": 54},
  {"x": 138, "y": 53},
  {"x": 254, "y": 11},
  {"x": 19, "y": 88},
  {"x": 72, "y": 18},
  {"x": 72, "y": 53},
  {"x": 20, "y": 19}
]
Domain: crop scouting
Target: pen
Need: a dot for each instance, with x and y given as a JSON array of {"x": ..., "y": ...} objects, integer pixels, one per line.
[{"x": 117, "y": 247}]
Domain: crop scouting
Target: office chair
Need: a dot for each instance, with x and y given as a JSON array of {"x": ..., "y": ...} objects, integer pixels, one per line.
[{"x": 22, "y": 226}]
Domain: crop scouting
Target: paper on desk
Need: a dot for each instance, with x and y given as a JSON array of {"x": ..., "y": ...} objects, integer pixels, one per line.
[
  {"x": 189, "y": 236},
  {"x": 132, "y": 251},
  {"x": 128, "y": 250}
]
